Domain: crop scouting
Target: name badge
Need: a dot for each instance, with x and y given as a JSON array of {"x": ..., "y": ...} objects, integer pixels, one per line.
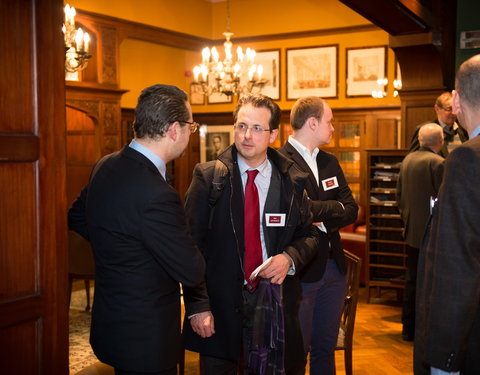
[
  {"x": 330, "y": 183},
  {"x": 275, "y": 220}
]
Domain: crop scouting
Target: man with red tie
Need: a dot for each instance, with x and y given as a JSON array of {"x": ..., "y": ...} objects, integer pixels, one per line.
[{"x": 262, "y": 215}]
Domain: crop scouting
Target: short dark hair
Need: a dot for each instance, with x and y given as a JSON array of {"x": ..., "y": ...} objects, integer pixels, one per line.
[
  {"x": 467, "y": 82},
  {"x": 260, "y": 101},
  {"x": 304, "y": 108},
  {"x": 158, "y": 107}
]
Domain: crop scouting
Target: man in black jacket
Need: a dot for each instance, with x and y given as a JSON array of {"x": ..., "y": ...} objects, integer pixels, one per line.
[
  {"x": 419, "y": 180},
  {"x": 333, "y": 207},
  {"x": 229, "y": 320},
  {"x": 136, "y": 225},
  {"x": 454, "y": 134}
]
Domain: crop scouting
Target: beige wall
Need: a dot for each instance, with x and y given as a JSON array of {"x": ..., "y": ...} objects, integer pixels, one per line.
[{"x": 143, "y": 64}]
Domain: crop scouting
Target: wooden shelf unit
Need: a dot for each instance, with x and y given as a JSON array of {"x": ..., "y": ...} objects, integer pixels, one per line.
[{"x": 386, "y": 249}]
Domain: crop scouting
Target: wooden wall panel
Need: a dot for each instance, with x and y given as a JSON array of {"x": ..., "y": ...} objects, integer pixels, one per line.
[
  {"x": 18, "y": 260},
  {"x": 33, "y": 260},
  {"x": 21, "y": 339},
  {"x": 16, "y": 72}
]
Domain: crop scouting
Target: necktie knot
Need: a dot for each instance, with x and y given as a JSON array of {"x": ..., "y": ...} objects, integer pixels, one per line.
[{"x": 252, "y": 173}]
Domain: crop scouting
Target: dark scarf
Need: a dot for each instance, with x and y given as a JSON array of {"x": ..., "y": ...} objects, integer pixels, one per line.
[{"x": 267, "y": 351}]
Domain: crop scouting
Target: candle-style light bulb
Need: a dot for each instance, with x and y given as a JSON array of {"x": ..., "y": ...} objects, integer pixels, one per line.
[{"x": 86, "y": 41}]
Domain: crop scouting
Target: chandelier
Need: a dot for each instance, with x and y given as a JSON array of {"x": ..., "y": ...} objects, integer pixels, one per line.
[
  {"x": 228, "y": 76},
  {"x": 76, "y": 43}
]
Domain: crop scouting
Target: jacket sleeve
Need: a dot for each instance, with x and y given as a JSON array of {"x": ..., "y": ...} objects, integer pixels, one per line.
[
  {"x": 197, "y": 212},
  {"x": 178, "y": 254},
  {"x": 77, "y": 220},
  {"x": 343, "y": 195},
  {"x": 414, "y": 143},
  {"x": 305, "y": 242}
]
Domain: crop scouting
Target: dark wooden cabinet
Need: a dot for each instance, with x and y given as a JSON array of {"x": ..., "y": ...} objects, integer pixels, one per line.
[{"x": 386, "y": 249}]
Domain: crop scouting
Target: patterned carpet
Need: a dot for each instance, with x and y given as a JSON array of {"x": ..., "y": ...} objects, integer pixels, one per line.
[{"x": 81, "y": 354}]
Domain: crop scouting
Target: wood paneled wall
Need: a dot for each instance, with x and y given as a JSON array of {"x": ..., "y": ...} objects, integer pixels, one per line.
[{"x": 33, "y": 254}]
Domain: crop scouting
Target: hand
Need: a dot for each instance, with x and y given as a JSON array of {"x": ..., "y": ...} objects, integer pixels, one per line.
[
  {"x": 277, "y": 269},
  {"x": 202, "y": 324}
]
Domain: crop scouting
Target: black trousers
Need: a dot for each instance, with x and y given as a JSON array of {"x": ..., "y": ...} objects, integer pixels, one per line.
[{"x": 410, "y": 292}]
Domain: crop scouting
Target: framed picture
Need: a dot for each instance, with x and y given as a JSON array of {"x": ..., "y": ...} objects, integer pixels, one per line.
[
  {"x": 270, "y": 61},
  {"x": 364, "y": 67},
  {"x": 214, "y": 139},
  {"x": 217, "y": 98},
  {"x": 196, "y": 94},
  {"x": 312, "y": 71}
]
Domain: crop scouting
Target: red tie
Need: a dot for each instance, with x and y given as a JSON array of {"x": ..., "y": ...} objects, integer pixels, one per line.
[{"x": 253, "y": 247}]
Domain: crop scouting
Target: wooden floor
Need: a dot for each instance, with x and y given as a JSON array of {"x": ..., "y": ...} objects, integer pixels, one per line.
[{"x": 378, "y": 345}]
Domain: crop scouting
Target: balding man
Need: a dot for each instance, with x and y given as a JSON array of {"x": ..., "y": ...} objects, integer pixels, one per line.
[
  {"x": 447, "y": 335},
  {"x": 453, "y": 133},
  {"x": 420, "y": 178}
]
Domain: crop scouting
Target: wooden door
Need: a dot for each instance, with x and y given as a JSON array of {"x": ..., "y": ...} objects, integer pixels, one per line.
[{"x": 33, "y": 261}]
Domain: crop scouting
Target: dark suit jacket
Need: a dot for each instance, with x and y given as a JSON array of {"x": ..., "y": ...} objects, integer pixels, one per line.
[
  {"x": 415, "y": 144},
  {"x": 420, "y": 178},
  {"x": 448, "y": 300},
  {"x": 223, "y": 247},
  {"x": 136, "y": 224},
  {"x": 325, "y": 208}
]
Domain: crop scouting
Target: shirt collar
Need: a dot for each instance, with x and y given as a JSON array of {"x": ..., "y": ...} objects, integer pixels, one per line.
[
  {"x": 475, "y": 132},
  {"x": 150, "y": 155},
  {"x": 445, "y": 126},
  {"x": 302, "y": 150},
  {"x": 244, "y": 167}
]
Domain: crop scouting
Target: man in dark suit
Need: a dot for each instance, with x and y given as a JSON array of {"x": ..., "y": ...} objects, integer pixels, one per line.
[
  {"x": 136, "y": 225},
  {"x": 333, "y": 207},
  {"x": 234, "y": 314},
  {"x": 454, "y": 134},
  {"x": 419, "y": 180},
  {"x": 448, "y": 299}
]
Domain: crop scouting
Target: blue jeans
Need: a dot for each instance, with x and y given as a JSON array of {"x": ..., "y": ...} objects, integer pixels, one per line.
[{"x": 320, "y": 313}]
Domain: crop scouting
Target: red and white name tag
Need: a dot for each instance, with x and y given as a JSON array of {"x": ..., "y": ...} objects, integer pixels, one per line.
[
  {"x": 330, "y": 183},
  {"x": 275, "y": 220}
]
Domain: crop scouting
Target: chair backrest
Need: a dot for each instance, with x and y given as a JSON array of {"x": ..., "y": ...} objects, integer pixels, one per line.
[
  {"x": 350, "y": 305},
  {"x": 80, "y": 256}
]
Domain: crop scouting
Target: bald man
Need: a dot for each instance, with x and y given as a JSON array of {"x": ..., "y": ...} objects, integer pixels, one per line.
[{"x": 420, "y": 178}]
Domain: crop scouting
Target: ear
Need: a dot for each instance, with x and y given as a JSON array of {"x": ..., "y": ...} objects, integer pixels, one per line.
[
  {"x": 455, "y": 102},
  {"x": 173, "y": 130},
  {"x": 311, "y": 123},
  {"x": 273, "y": 135}
]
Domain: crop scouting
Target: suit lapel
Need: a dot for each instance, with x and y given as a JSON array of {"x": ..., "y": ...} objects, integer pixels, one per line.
[{"x": 311, "y": 183}]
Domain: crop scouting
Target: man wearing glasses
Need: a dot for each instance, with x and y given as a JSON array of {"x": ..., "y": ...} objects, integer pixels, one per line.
[
  {"x": 262, "y": 215},
  {"x": 136, "y": 224},
  {"x": 454, "y": 134}
]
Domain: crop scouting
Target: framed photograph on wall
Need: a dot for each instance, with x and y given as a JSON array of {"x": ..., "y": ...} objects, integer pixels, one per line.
[
  {"x": 270, "y": 61},
  {"x": 312, "y": 71},
  {"x": 196, "y": 94},
  {"x": 364, "y": 67},
  {"x": 214, "y": 139},
  {"x": 217, "y": 98}
]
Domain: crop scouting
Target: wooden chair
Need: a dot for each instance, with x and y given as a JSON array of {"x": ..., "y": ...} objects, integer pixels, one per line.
[
  {"x": 345, "y": 334},
  {"x": 81, "y": 263}
]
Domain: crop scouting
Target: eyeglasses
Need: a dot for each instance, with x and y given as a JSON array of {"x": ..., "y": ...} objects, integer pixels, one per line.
[
  {"x": 256, "y": 129},
  {"x": 446, "y": 109},
  {"x": 193, "y": 125}
]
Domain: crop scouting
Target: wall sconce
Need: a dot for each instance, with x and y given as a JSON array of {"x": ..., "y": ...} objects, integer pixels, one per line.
[{"x": 76, "y": 43}]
